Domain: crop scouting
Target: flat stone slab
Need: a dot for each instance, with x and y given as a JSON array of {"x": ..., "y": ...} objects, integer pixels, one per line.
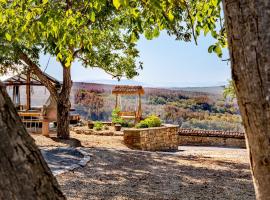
[{"x": 63, "y": 159}]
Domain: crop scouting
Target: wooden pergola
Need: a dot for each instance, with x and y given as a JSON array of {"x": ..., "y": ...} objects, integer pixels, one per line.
[
  {"x": 26, "y": 79},
  {"x": 31, "y": 116},
  {"x": 128, "y": 90}
]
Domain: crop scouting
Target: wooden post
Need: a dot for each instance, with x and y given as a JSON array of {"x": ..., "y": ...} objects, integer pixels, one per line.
[
  {"x": 45, "y": 122},
  {"x": 116, "y": 100},
  {"x": 45, "y": 127},
  {"x": 139, "y": 109},
  {"x": 28, "y": 92}
]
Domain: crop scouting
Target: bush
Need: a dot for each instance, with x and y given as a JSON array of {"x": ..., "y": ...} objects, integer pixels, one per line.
[
  {"x": 127, "y": 124},
  {"x": 142, "y": 124},
  {"x": 151, "y": 121},
  {"x": 98, "y": 126},
  {"x": 116, "y": 119}
]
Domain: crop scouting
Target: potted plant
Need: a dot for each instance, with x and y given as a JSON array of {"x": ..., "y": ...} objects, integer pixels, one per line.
[
  {"x": 117, "y": 127},
  {"x": 116, "y": 119},
  {"x": 90, "y": 124}
]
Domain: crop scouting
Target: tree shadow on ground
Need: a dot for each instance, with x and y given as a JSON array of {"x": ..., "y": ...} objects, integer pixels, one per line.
[
  {"x": 124, "y": 174},
  {"x": 71, "y": 142}
]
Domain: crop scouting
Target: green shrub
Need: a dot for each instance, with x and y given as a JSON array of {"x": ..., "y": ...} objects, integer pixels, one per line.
[
  {"x": 151, "y": 121},
  {"x": 142, "y": 124},
  {"x": 116, "y": 119},
  {"x": 98, "y": 126},
  {"x": 126, "y": 123}
]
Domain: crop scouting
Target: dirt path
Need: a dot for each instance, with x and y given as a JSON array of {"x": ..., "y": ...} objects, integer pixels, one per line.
[{"x": 115, "y": 172}]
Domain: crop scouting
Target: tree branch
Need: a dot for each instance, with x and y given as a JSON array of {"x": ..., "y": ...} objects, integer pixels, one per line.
[
  {"x": 37, "y": 71},
  {"x": 192, "y": 23}
]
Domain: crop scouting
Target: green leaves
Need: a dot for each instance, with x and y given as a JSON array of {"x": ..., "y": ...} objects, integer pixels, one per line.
[
  {"x": 93, "y": 17},
  {"x": 116, "y": 3},
  {"x": 133, "y": 37},
  {"x": 28, "y": 16},
  {"x": 45, "y": 2},
  {"x": 211, "y": 48},
  {"x": 218, "y": 51},
  {"x": 8, "y": 37},
  {"x": 170, "y": 15},
  {"x": 155, "y": 32},
  {"x": 68, "y": 61},
  {"x": 205, "y": 17},
  {"x": 215, "y": 48},
  {"x": 59, "y": 57}
]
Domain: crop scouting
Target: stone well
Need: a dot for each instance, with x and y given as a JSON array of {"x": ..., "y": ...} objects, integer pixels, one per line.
[{"x": 152, "y": 139}]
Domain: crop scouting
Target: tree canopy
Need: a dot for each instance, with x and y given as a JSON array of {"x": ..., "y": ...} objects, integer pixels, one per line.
[
  {"x": 181, "y": 18},
  {"x": 88, "y": 31},
  {"x": 102, "y": 33}
]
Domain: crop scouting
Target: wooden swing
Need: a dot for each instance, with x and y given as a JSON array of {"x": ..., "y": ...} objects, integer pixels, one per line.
[{"x": 128, "y": 90}]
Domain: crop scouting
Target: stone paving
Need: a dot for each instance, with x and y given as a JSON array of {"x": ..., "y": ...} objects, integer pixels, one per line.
[{"x": 63, "y": 159}]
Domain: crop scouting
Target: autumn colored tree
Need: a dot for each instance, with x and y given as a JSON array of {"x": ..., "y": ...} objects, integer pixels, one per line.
[{"x": 90, "y": 100}]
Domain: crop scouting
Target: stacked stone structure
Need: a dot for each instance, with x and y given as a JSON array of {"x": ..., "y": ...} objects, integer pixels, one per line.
[{"x": 163, "y": 138}]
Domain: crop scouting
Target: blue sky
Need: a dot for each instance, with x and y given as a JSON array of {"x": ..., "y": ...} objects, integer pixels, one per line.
[{"x": 167, "y": 63}]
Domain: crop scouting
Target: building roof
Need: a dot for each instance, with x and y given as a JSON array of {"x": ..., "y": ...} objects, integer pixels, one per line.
[
  {"x": 21, "y": 79},
  {"x": 128, "y": 90}
]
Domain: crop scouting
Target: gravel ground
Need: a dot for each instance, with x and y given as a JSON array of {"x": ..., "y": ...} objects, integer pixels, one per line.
[{"x": 116, "y": 172}]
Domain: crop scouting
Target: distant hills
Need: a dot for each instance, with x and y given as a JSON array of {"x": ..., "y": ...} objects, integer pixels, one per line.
[
  {"x": 40, "y": 94},
  {"x": 107, "y": 87},
  {"x": 212, "y": 90},
  {"x": 198, "y": 87}
]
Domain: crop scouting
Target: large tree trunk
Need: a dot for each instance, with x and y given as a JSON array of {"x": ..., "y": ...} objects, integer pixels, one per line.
[
  {"x": 23, "y": 172},
  {"x": 248, "y": 27},
  {"x": 63, "y": 105}
]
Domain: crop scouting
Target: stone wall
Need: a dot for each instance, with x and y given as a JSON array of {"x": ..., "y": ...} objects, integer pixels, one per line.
[
  {"x": 152, "y": 139},
  {"x": 85, "y": 130},
  {"x": 211, "y": 138}
]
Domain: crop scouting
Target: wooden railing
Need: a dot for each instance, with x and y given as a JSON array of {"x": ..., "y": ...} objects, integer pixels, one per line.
[{"x": 31, "y": 120}]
